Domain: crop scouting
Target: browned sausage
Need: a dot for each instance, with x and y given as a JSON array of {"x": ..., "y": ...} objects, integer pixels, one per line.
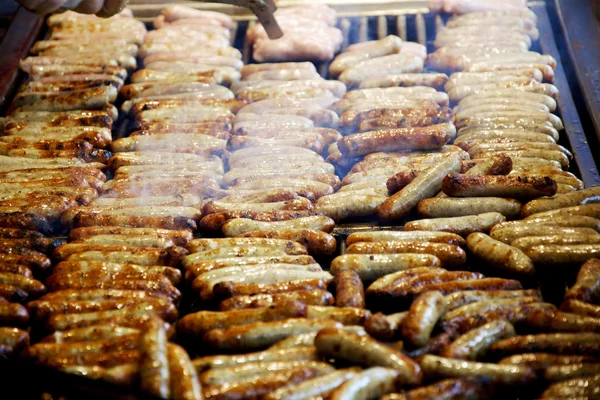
[
  {"x": 587, "y": 284},
  {"x": 349, "y": 290},
  {"x": 363, "y": 350},
  {"x": 314, "y": 297},
  {"x": 434, "y": 366},
  {"x": 450, "y": 255},
  {"x": 557, "y": 321},
  {"x": 541, "y": 361},
  {"x": 262, "y": 334},
  {"x": 471, "y": 284},
  {"x": 13, "y": 314},
  {"x": 448, "y": 389},
  {"x": 184, "y": 380},
  {"x": 562, "y": 343},
  {"x": 498, "y": 186},
  {"x": 260, "y": 386},
  {"x": 203, "y": 321},
  {"x": 401, "y": 139},
  {"x": 474, "y": 344},
  {"x": 581, "y": 308},
  {"x": 422, "y": 317},
  {"x": 385, "y": 327},
  {"x": 229, "y": 289},
  {"x": 317, "y": 242}
]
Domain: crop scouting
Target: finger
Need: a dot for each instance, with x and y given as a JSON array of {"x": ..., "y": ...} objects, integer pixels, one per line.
[
  {"x": 112, "y": 7},
  {"x": 89, "y": 6}
]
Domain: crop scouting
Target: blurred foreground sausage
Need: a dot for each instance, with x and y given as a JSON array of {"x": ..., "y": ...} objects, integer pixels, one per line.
[
  {"x": 184, "y": 380},
  {"x": 371, "y": 383},
  {"x": 448, "y": 389},
  {"x": 320, "y": 386},
  {"x": 154, "y": 363}
]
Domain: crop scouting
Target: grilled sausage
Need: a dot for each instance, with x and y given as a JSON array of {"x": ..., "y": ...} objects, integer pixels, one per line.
[
  {"x": 371, "y": 383},
  {"x": 557, "y": 321},
  {"x": 422, "y": 318},
  {"x": 422, "y": 187},
  {"x": 562, "y": 254},
  {"x": 385, "y": 327},
  {"x": 262, "y": 334},
  {"x": 459, "y": 225},
  {"x": 458, "y": 299},
  {"x": 562, "y": 343},
  {"x": 458, "y": 207},
  {"x": 500, "y": 255},
  {"x": 33, "y": 287},
  {"x": 417, "y": 236},
  {"x": 87, "y": 334},
  {"x": 528, "y": 242},
  {"x": 182, "y": 374},
  {"x": 229, "y": 289},
  {"x": 474, "y": 344},
  {"x": 561, "y": 201},
  {"x": 345, "y": 315},
  {"x": 349, "y": 290},
  {"x": 508, "y": 234},
  {"x": 306, "y": 353},
  {"x": 250, "y": 370},
  {"x": 316, "y": 242},
  {"x": 203, "y": 245},
  {"x": 309, "y": 297},
  {"x": 460, "y": 285},
  {"x": 449, "y": 255},
  {"x": 123, "y": 375},
  {"x": 154, "y": 363},
  {"x": 320, "y": 386},
  {"x": 590, "y": 210},
  {"x": 576, "y": 221},
  {"x": 158, "y": 307},
  {"x": 240, "y": 226},
  {"x": 541, "y": 361},
  {"x": 199, "y": 323},
  {"x": 447, "y": 389},
  {"x": 366, "y": 351},
  {"x": 179, "y": 238},
  {"x": 497, "y": 186},
  {"x": 434, "y": 366},
  {"x": 258, "y": 387},
  {"x": 13, "y": 314},
  {"x": 581, "y": 308}
]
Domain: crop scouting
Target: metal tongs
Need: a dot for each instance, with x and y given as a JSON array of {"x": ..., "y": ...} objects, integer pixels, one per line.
[{"x": 263, "y": 9}]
